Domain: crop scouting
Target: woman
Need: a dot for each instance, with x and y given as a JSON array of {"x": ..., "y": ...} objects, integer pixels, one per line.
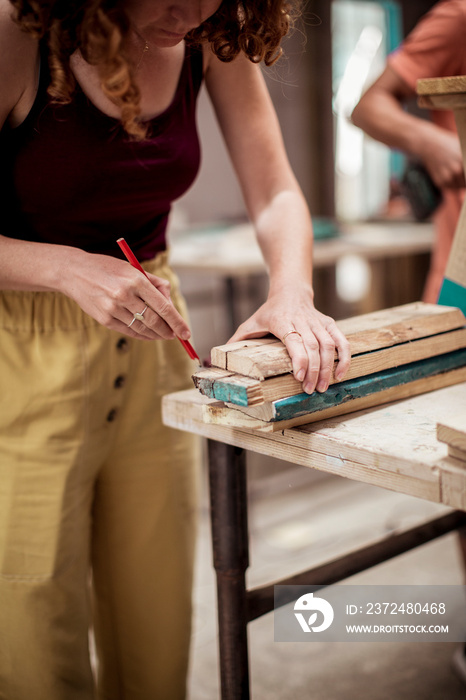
[{"x": 98, "y": 138}]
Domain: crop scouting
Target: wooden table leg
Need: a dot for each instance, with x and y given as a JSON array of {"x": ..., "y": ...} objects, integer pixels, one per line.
[{"x": 228, "y": 503}]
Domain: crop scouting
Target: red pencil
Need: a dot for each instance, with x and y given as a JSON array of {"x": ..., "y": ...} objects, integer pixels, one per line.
[{"x": 130, "y": 256}]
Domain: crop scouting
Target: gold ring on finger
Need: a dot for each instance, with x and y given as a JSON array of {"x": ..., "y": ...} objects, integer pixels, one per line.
[{"x": 292, "y": 330}]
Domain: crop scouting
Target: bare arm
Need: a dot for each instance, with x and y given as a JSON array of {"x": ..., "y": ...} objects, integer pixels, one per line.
[
  {"x": 282, "y": 221},
  {"x": 108, "y": 289},
  {"x": 380, "y": 114}
]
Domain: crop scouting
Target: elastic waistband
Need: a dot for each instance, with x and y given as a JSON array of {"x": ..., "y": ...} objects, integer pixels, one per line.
[{"x": 43, "y": 311}]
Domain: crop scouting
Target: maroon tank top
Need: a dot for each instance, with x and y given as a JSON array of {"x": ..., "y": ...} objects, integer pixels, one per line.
[{"x": 70, "y": 175}]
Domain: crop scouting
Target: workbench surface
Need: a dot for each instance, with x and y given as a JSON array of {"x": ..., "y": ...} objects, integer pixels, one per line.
[{"x": 393, "y": 446}]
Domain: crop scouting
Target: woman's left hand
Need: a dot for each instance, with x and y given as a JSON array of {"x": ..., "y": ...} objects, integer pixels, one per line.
[{"x": 312, "y": 347}]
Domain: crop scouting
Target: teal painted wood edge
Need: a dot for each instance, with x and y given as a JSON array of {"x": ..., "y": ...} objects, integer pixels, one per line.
[
  {"x": 223, "y": 391},
  {"x": 337, "y": 394},
  {"x": 452, "y": 294}
]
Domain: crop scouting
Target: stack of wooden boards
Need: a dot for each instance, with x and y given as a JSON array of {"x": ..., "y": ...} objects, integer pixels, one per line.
[{"x": 396, "y": 353}]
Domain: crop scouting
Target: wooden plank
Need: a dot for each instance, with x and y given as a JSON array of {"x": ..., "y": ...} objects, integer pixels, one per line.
[
  {"x": 258, "y": 361},
  {"x": 442, "y": 101},
  {"x": 457, "y": 454},
  {"x": 219, "y": 413},
  {"x": 453, "y": 483},
  {"x": 450, "y": 84},
  {"x": 346, "y": 391},
  {"x": 359, "y": 446},
  {"x": 263, "y": 358},
  {"x": 415, "y": 455},
  {"x": 231, "y": 387},
  {"x": 442, "y": 93},
  {"x": 230, "y": 415},
  {"x": 184, "y": 411},
  {"x": 453, "y": 431},
  {"x": 368, "y": 432},
  {"x": 416, "y": 450},
  {"x": 227, "y": 386},
  {"x": 219, "y": 354},
  {"x": 398, "y": 324}
]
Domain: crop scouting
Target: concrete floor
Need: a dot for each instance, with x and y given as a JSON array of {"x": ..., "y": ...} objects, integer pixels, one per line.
[{"x": 299, "y": 518}]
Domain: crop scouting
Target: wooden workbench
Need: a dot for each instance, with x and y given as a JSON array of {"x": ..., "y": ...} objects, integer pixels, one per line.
[{"x": 392, "y": 446}]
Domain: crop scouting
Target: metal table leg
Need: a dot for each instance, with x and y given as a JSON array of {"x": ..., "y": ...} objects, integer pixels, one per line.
[
  {"x": 236, "y": 605},
  {"x": 228, "y": 502}
]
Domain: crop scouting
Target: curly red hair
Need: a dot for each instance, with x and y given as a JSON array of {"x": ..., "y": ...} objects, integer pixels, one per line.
[{"x": 99, "y": 29}]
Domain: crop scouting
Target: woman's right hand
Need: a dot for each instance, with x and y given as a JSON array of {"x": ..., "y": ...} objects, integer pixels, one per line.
[{"x": 112, "y": 291}]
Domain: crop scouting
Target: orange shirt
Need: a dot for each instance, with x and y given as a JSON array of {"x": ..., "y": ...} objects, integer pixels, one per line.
[{"x": 436, "y": 48}]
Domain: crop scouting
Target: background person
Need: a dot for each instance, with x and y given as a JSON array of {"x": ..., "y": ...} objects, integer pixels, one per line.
[{"x": 434, "y": 49}]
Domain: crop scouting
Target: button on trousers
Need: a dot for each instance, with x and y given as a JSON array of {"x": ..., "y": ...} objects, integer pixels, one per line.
[{"x": 97, "y": 506}]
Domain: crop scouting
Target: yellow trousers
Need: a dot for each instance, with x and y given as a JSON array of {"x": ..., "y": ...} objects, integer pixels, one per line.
[{"x": 97, "y": 506}]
